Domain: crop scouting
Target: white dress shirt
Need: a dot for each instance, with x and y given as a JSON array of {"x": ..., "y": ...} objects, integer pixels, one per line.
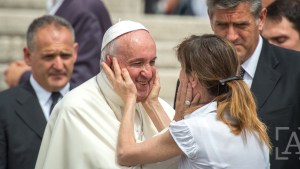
[
  {"x": 44, "y": 96},
  {"x": 251, "y": 64}
]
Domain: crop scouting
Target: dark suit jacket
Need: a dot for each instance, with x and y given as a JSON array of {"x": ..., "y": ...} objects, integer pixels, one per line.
[
  {"x": 90, "y": 19},
  {"x": 22, "y": 125},
  {"x": 276, "y": 87}
]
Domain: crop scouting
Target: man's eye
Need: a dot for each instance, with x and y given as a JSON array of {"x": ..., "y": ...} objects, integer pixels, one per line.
[
  {"x": 65, "y": 56},
  {"x": 222, "y": 25},
  {"x": 49, "y": 57},
  {"x": 152, "y": 63},
  {"x": 241, "y": 26},
  {"x": 280, "y": 40},
  {"x": 137, "y": 63}
]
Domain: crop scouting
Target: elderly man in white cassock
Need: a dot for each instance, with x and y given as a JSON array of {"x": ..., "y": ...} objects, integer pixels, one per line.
[{"x": 83, "y": 128}]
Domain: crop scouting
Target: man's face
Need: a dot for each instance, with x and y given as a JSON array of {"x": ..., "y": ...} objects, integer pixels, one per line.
[
  {"x": 281, "y": 33},
  {"x": 239, "y": 26},
  {"x": 52, "y": 60},
  {"x": 139, "y": 56}
]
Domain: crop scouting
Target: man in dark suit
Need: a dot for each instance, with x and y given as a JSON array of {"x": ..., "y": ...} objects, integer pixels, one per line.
[
  {"x": 282, "y": 26},
  {"x": 24, "y": 110},
  {"x": 90, "y": 19},
  {"x": 272, "y": 73}
]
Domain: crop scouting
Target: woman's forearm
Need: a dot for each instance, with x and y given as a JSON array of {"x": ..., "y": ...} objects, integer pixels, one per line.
[
  {"x": 157, "y": 114},
  {"x": 126, "y": 131},
  {"x": 155, "y": 149}
]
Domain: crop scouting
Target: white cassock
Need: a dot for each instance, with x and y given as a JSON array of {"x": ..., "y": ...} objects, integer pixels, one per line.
[{"x": 83, "y": 129}]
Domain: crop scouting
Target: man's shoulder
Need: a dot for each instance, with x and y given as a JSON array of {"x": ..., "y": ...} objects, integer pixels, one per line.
[
  {"x": 82, "y": 90},
  {"x": 13, "y": 98},
  {"x": 284, "y": 53},
  {"x": 86, "y": 94},
  {"x": 279, "y": 57},
  {"x": 10, "y": 93}
]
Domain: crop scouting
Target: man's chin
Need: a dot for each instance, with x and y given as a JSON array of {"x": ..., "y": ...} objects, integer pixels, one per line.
[
  {"x": 142, "y": 97},
  {"x": 58, "y": 84},
  {"x": 240, "y": 52},
  {"x": 142, "y": 92}
]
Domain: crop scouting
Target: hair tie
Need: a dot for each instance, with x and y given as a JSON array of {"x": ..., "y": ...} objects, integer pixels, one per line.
[{"x": 224, "y": 81}]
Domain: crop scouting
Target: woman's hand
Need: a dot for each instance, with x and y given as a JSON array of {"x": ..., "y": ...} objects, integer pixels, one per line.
[
  {"x": 154, "y": 93},
  {"x": 153, "y": 107},
  {"x": 184, "y": 99},
  {"x": 121, "y": 81}
]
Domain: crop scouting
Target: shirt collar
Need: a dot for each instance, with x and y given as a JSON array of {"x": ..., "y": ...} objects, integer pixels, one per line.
[
  {"x": 250, "y": 64},
  {"x": 42, "y": 94},
  {"x": 208, "y": 108}
]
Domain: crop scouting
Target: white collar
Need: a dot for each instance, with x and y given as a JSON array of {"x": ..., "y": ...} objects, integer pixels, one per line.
[
  {"x": 208, "y": 108},
  {"x": 108, "y": 90},
  {"x": 42, "y": 94},
  {"x": 251, "y": 63}
]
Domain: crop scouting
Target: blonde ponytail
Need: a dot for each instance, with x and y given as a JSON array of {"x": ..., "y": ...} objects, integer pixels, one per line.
[{"x": 239, "y": 103}]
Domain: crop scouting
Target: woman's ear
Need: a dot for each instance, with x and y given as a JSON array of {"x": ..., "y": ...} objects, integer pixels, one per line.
[{"x": 192, "y": 78}]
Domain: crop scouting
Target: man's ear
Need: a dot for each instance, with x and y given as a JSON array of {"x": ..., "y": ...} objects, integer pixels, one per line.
[
  {"x": 262, "y": 19},
  {"x": 27, "y": 56},
  {"x": 75, "y": 47},
  {"x": 108, "y": 61}
]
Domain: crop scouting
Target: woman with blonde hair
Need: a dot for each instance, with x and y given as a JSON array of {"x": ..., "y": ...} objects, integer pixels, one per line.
[{"x": 216, "y": 123}]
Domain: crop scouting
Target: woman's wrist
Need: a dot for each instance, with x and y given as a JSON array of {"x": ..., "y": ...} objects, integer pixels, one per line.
[{"x": 157, "y": 114}]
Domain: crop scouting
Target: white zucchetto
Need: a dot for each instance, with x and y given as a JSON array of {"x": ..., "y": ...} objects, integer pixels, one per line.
[{"x": 119, "y": 29}]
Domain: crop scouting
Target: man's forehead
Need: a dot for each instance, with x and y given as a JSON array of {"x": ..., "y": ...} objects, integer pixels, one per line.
[
  {"x": 236, "y": 17},
  {"x": 141, "y": 58},
  {"x": 244, "y": 8}
]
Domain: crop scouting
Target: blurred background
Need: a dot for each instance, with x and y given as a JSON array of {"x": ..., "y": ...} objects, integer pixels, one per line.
[{"x": 168, "y": 25}]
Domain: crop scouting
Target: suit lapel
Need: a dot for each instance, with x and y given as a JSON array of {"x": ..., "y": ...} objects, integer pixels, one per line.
[
  {"x": 73, "y": 85},
  {"x": 266, "y": 76},
  {"x": 30, "y": 111}
]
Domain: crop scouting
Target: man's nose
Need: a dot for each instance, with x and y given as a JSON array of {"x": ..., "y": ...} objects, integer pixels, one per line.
[
  {"x": 232, "y": 34},
  {"x": 147, "y": 71},
  {"x": 58, "y": 63}
]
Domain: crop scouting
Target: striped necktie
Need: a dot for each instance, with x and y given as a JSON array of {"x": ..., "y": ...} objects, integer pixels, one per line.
[{"x": 242, "y": 72}]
